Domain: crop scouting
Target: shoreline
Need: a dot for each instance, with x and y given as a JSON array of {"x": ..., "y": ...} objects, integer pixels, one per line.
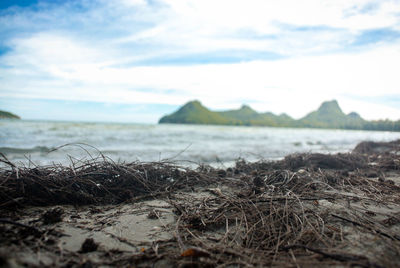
[{"x": 304, "y": 210}]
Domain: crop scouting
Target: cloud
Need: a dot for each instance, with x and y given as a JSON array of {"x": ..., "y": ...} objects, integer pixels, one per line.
[
  {"x": 284, "y": 56},
  {"x": 217, "y": 24},
  {"x": 375, "y": 36},
  {"x": 309, "y": 80}
]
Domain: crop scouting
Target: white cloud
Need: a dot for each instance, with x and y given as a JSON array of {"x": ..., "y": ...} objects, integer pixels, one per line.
[
  {"x": 261, "y": 15},
  {"x": 101, "y": 61},
  {"x": 133, "y": 2},
  {"x": 212, "y": 25},
  {"x": 294, "y": 85}
]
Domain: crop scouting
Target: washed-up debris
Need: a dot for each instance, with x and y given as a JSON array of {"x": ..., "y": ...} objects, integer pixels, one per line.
[
  {"x": 306, "y": 210},
  {"x": 92, "y": 182},
  {"x": 370, "y": 147}
]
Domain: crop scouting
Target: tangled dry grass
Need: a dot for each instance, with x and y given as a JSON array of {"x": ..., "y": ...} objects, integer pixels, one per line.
[
  {"x": 96, "y": 181},
  {"x": 305, "y": 210}
]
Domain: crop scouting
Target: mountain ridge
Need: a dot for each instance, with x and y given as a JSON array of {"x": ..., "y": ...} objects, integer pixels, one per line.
[
  {"x": 8, "y": 115},
  {"x": 328, "y": 115}
]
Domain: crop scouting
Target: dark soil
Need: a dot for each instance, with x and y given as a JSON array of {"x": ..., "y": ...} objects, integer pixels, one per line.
[{"x": 307, "y": 210}]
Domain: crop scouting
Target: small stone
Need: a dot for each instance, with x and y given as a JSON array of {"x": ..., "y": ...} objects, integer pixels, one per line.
[
  {"x": 89, "y": 245},
  {"x": 53, "y": 215}
]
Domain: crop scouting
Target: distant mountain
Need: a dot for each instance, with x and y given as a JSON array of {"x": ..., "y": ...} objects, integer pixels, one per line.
[
  {"x": 8, "y": 115},
  {"x": 194, "y": 112},
  {"x": 328, "y": 115},
  {"x": 247, "y": 116}
]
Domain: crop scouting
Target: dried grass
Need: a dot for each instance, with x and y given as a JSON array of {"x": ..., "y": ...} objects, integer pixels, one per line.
[{"x": 267, "y": 213}]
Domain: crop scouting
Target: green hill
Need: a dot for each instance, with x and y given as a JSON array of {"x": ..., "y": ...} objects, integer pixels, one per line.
[
  {"x": 247, "y": 116},
  {"x": 328, "y": 115},
  {"x": 8, "y": 115},
  {"x": 194, "y": 112}
]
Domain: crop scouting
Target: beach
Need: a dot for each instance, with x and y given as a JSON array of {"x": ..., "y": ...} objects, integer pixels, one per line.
[
  {"x": 205, "y": 134},
  {"x": 304, "y": 210}
]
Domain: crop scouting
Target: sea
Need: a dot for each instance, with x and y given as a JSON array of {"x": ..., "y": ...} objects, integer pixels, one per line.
[{"x": 30, "y": 143}]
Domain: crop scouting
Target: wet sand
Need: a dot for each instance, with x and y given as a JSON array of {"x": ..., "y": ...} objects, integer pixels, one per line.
[{"x": 306, "y": 210}]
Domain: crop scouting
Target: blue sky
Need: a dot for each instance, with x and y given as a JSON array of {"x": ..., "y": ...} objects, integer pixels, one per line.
[{"x": 135, "y": 60}]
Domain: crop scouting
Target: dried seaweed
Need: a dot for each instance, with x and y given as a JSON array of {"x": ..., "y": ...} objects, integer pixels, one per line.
[
  {"x": 96, "y": 181},
  {"x": 277, "y": 214}
]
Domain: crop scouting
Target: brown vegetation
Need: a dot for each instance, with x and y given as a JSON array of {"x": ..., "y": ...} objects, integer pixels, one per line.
[{"x": 305, "y": 210}]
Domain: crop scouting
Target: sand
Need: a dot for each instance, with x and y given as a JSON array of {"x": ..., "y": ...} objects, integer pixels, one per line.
[{"x": 306, "y": 210}]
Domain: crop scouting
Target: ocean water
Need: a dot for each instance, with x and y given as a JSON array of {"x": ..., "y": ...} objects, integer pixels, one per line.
[{"x": 42, "y": 142}]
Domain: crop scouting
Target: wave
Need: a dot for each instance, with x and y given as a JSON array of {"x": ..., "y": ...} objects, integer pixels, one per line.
[{"x": 36, "y": 149}]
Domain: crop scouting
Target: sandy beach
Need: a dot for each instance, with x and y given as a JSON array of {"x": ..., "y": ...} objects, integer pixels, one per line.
[{"x": 307, "y": 210}]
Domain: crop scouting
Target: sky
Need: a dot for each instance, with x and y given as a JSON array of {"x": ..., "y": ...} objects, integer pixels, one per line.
[{"x": 136, "y": 60}]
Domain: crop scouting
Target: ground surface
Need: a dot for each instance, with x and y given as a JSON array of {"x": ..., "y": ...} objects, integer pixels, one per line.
[{"x": 307, "y": 210}]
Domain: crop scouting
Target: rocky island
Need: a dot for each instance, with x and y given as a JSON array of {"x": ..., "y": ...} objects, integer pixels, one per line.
[
  {"x": 328, "y": 115},
  {"x": 8, "y": 115}
]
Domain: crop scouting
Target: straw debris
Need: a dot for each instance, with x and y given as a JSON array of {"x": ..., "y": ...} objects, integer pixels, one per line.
[{"x": 305, "y": 210}]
